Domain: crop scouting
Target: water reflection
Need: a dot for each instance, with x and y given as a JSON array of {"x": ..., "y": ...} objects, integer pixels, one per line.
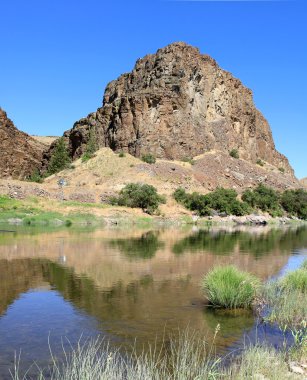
[
  {"x": 126, "y": 284},
  {"x": 258, "y": 244},
  {"x": 143, "y": 247}
]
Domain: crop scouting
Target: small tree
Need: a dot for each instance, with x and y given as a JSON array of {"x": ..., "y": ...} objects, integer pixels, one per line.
[
  {"x": 60, "y": 158},
  {"x": 234, "y": 153},
  {"x": 138, "y": 195},
  {"x": 91, "y": 146}
]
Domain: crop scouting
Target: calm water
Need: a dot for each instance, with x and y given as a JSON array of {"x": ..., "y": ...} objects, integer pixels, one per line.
[{"x": 126, "y": 285}]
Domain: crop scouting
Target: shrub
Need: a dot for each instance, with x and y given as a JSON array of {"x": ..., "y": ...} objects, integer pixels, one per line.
[
  {"x": 295, "y": 202},
  {"x": 36, "y": 177},
  {"x": 264, "y": 198},
  {"x": 137, "y": 195},
  {"x": 282, "y": 170},
  {"x": 180, "y": 195},
  {"x": 234, "y": 153},
  {"x": 221, "y": 200},
  {"x": 260, "y": 162},
  {"x": 149, "y": 158},
  {"x": 60, "y": 158},
  {"x": 121, "y": 154},
  {"x": 189, "y": 160},
  {"x": 229, "y": 287}
]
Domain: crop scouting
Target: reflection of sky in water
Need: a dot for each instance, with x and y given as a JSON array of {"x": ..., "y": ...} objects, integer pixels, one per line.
[{"x": 294, "y": 262}]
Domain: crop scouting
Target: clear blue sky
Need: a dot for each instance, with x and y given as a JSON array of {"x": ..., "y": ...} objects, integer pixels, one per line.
[{"x": 56, "y": 56}]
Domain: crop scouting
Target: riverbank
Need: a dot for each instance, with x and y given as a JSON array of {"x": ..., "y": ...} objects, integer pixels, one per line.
[{"x": 41, "y": 211}]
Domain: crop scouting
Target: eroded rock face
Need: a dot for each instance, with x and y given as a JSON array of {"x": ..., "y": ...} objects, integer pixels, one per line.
[
  {"x": 303, "y": 182},
  {"x": 178, "y": 103},
  {"x": 21, "y": 155}
]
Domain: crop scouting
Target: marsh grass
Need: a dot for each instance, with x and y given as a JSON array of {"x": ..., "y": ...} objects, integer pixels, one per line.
[
  {"x": 260, "y": 362},
  {"x": 185, "y": 357},
  {"x": 296, "y": 280},
  {"x": 304, "y": 265},
  {"x": 228, "y": 287},
  {"x": 286, "y": 300}
]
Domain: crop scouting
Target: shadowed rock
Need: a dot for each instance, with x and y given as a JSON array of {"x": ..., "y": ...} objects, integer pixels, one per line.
[{"x": 21, "y": 154}]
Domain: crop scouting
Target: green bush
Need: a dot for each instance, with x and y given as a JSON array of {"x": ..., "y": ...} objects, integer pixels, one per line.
[
  {"x": 230, "y": 288},
  {"x": 60, "y": 158},
  {"x": 149, "y": 158},
  {"x": 263, "y": 198},
  {"x": 234, "y": 153},
  {"x": 282, "y": 170},
  {"x": 295, "y": 202},
  {"x": 260, "y": 162},
  {"x": 221, "y": 200},
  {"x": 121, "y": 154},
  {"x": 136, "y": 195},
  {"x": 36, "y": 177},
  {"x": 189, "y": 160}
]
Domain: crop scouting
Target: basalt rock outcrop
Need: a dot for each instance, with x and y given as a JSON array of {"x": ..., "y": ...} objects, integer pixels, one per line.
[
  {"x": 175, "y": 104},
  {"x": 21, "y": 155}
]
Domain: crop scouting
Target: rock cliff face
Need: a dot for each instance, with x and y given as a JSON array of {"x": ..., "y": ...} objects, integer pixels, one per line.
[
  {"x": 178, "y": 103},
  {"x": 20, "y": 153},
  {"x": 303, "y": 182}
]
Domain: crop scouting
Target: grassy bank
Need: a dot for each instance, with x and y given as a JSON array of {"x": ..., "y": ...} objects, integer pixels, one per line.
[
  {"x": 48, "y": 212},
  {"x": 32, "y": 211}
]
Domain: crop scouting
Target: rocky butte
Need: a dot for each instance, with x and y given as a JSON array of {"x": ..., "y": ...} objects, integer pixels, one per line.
[
  {"x": 21, "y": 154},
  {"x": 176, "y": 104}
]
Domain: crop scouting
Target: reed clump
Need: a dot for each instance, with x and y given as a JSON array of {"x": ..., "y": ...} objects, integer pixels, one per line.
[{"x": 228, "y": 287}]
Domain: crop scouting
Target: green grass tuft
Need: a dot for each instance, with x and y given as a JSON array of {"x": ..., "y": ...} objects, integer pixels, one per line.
[
  {"x": 296, "y": 280},
  {"x": 230, "y": 288}
]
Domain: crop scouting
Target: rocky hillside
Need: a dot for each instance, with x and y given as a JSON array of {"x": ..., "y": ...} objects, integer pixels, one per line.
[
  {"x": 21, "y": 155},
  {"x": 175, "y": 104},
  {"x": 303, "y": 182},
  {"x": 107, "y": 173}
]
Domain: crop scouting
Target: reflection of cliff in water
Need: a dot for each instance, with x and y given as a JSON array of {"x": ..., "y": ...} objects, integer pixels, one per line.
[
  {"x": 17, "y": 277},
  {"x": 142, "y": 309}
]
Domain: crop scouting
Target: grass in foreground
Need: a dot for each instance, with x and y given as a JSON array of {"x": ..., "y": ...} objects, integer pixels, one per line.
[
  {"x": 230, "y": 288},
  {"x": 259, "y": 363},
  {"x": 287, "y": 299},
  {"x": 185, "y": 358}
]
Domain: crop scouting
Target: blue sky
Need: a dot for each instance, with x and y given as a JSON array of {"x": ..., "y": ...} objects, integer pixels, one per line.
[{"x": 56, "y": 56}]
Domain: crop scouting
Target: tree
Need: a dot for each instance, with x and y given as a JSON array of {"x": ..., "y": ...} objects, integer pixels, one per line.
[
  {"x": 91, "y": 146},
  {"x": 137, "y": 195},
  {"x": 60, "y": 158}
]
